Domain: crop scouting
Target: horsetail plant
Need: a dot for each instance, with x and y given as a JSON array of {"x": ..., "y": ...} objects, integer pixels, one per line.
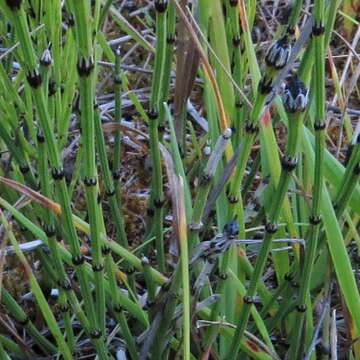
[
  {"x": 69, "y": 193},
  {"x": 111, "y": 187},
  {"x": 17, "y": 16},
  {"x": 319, "y": 127},
  {"x": 170, "y": 44},
  {"x": 49, "y": 219},
  {"x": 85, "y": 68},
  {"x": 117, "y": 153},
  {"x": 40, "y": 298},
  {"x": 68, "y": 259},
  {"x": 49, "y": 227},
  {"x": 276, "y": 58},
  {"x": 155, "y": 104},
  {"x": 296, "y": 99},
  {"x": 119, "y": 312},
  {"x": 106, "y": 251},
  {"x": 238, "y": 72}
]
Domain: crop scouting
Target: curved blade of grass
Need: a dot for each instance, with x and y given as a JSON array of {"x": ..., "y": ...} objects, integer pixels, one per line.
[{"x": 337, "y": 248}]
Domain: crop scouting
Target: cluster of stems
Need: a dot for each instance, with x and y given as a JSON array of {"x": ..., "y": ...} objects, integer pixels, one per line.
[
  {"x": 295, "y": 102},
  {"x": 18, "y": 19},
  {"x": 314, "y": 220},
  {"x": 194, "y": 288}
]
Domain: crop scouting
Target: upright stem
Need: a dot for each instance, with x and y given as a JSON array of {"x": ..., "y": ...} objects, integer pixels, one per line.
[
  {"x": 294, "y": 93},
  {"x": 85, "y": 68},
  {"x": 18, "y": 18},
  {"x": 117, "y": 208},
  {"x": 49, "y": 227},
  {"x": 315, "y": 220},
  {"x": 157, "y": 195}
]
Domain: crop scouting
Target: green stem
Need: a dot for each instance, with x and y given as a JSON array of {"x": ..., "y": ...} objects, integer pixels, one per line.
[
  {"x": 319, "y": 125},
  {"x": 157, "y": 195},
  {"x": 117, "y": 206},
  {"x": 288, "y": 163},
  {"x": 20, "y": 316},
  {"x": 85, "y": 67},
  {"x": 38, "y": 294},
  {"x": 18, "y": 18}
]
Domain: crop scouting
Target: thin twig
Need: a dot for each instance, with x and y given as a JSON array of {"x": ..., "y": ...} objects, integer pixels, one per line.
[
  {"x": 333, "y": 336},
  {"x": 315, "y": 338}
]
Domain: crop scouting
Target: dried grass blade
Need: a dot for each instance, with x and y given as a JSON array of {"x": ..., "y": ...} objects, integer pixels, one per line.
[
  {"x": 223, "y": 117},
  {"x": 176, "y": 185},
  {"x": 32, "y": 194},
  {"x": 188, "y": 60}
]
